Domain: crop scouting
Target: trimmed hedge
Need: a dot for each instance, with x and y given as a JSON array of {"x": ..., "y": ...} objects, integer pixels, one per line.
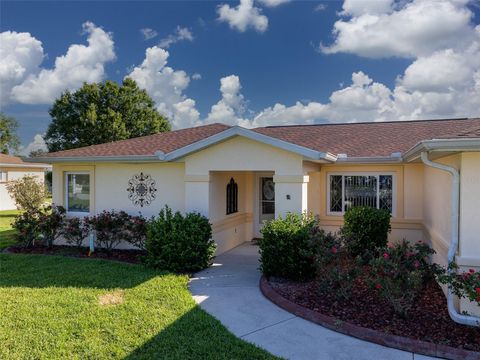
[{"x": 180, "y": 243}]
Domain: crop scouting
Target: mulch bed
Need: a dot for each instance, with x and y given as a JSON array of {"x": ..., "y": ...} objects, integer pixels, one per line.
[
  {"x": 428, "y": 320},
  {"x": 129, "y": 256}
]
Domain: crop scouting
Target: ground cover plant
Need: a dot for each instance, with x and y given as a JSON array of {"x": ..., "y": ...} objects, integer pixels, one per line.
[{"x": 57, "y": 308}]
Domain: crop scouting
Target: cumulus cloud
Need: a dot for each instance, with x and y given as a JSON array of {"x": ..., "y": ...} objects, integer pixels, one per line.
[
  {"x": 166, "y": 86},
  {"x": 20, "y": 56},
  {"x": 379, "y": 29},
  {"x": 273, "y": 3},
  {"x": 38, "y": 144},
  {"x": 180, "y": 34},
  {"x": 196, "y": 76},
  {"x": 81, "y": 63},
  {"x": 246, "y": 15},
  {"x": 148, "y": 33}
]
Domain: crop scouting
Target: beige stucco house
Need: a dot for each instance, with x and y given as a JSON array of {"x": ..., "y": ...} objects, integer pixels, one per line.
[
  {"x": 241, "y": 177},
  {"x": 14, "y": 168}
]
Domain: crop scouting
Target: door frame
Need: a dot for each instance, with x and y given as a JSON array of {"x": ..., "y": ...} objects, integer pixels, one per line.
[{"x": 257, "y": 226}]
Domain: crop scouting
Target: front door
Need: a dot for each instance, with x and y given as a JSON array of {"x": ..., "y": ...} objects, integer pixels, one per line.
[{"x": 266, "y": 201}]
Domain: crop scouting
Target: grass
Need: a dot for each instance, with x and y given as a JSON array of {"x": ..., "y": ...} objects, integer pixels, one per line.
[
  {"x": 6, "y": 231},
  {"x": 56, "y": 308}
]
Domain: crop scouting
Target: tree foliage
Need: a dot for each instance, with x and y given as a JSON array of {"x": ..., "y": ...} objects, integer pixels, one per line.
[
  {"x": 102, "y": 112},
  {"x": 28, "y": 193},
  {"x": 8, "y": 134}
]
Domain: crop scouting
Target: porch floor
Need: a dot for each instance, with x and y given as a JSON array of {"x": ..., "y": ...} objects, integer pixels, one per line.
[{"x": 229, "y": 290}]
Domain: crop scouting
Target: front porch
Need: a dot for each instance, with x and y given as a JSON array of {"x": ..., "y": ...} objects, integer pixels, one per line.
[{"x": 238, "y": 202}]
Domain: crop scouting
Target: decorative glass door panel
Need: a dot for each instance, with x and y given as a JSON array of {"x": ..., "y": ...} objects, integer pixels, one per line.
[{"x": 267, "y": 199}]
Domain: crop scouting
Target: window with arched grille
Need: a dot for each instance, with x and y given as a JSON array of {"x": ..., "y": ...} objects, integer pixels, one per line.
[{"x": 232, "y": 197}]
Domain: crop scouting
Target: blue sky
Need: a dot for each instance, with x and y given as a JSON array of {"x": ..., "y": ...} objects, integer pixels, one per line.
[{"x": 354, "y": 77}]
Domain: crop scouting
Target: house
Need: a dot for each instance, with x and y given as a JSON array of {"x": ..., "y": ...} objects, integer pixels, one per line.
[
  {"x": 14, "y": 168},
  {"x": 240, "y": 178}
]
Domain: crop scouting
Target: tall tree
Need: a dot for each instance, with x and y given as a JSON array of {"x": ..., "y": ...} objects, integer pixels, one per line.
[
  {"x": 8, "y": 134},
  {"x": 102, "y": 112}
]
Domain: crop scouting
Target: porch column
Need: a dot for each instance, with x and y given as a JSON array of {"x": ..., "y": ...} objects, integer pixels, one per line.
[
  {"x": 197, "y": 193},
  {"x": 291, "y": 194}
]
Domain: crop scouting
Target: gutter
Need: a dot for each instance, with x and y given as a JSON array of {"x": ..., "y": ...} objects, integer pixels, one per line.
[
  {"x": 27, "y": 165},
  {"x": 453, "y": 145},
  {"x": 89, "y": 159},
  {"x": 455, "y": 194}
]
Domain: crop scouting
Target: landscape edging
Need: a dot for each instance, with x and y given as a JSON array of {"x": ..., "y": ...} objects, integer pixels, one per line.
[{"x": 374, "y": 336}]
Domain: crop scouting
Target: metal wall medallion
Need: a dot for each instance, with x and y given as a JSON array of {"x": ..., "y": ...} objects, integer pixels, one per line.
[{"x": 141, "y": 189}]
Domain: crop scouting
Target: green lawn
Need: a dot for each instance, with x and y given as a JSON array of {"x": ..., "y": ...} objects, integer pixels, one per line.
[
  {"x": 65, "y": 308},
  {"x": 6, "y": 231}
]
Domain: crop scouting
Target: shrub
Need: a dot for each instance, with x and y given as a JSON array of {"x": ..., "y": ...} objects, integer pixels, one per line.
[
  {"x": 179, "y": 243},
  {"x": 74, "y": 231},
  {"x": 112, "y": 227},
  {"x": 29, "y": 194},
  {"x": 464, "y": 285},
  {"x": 27, "y": 226},
  {"x": 51, "y": 220},
  {"x": 400, "y": 273},
  {"x": 366, "y": 230},
  {"x": 335, "y": 270},
  {"x": 286, "y": 249}
]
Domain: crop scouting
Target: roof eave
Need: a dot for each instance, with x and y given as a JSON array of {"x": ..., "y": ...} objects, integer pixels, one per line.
[
  {"x": 26, "y": 165},
  {"x": 76, "y": 159},
  {"x": 444, "y": 145}
]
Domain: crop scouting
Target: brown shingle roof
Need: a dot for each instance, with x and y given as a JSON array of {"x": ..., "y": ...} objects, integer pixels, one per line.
[
  {"x": 354, "y": 139},
  {"x": 146, "y": 145},
  {"x": 369, "y": 139},
  {"x": 15, "y": 160}
]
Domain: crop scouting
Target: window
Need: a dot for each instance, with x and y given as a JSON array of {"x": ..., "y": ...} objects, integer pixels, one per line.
[
  {"x": 77, "y": 197},
  {"x": 3, "y": 176},
  {"x": 350, "y": 190},
  {"x": 232, "y": 197}
]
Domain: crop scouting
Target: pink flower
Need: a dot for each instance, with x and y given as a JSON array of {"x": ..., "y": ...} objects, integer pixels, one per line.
[
  {"x": 386, "y": 256},
  {"x": 416, "y": 263},
  {"x": 334, "y": 250},
  {"x": 471, "y": 271},
  {"x": 378, "y": 286},
  {"x": 477, "y": 290}
]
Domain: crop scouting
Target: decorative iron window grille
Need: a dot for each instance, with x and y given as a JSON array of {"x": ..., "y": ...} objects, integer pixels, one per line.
[
  {"x": 232, "y": 197},
  {"x": 351, "y": 190}
]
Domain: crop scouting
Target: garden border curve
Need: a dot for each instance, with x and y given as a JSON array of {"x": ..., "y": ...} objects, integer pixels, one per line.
[{"x": 374, "y": 336}]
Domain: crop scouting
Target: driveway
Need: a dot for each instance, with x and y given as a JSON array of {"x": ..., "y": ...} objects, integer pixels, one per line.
[{"x": 229, "y": 291}]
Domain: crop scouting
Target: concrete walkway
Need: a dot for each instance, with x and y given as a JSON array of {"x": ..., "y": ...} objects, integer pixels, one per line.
[{"x": 229, "y": 291}]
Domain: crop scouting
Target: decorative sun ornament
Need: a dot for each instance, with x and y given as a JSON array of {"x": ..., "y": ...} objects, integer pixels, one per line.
[{"x": 141, "y": 189}]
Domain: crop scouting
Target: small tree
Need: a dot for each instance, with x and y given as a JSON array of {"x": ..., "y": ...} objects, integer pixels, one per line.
[
  {"x": 28, "y": 193},
  {"x": 8, "y": 134}
]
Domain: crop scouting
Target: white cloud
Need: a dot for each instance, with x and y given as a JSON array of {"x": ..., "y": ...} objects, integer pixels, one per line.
[
  {"x": 81, "y": 63},
  {"x": 180, "y": 34},
  {"x": 243, "y": 17},
  {"x": 166, "y": 86},
  {"x": 231, "y": 107},
  {"x": 148, "y": 33},
  {"x": 376, "y": 29},
  {"x": 37, "y": 144},
  {"x": 20, "y": 56},
  {"x": 320, "y": 7},
  {"x": 196, "y": 76},
  {"x": 273, "y": 3}
]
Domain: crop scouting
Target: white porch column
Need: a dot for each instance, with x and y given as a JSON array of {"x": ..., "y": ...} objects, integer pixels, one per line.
[
  {"x": 291, "y": 194},
  {"x": 197, "y": 193}
]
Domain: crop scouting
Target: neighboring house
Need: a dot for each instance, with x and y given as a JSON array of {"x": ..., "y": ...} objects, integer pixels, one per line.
[
  {"x": 14, "y": 168},
  {"x": 240, "y": 177}
]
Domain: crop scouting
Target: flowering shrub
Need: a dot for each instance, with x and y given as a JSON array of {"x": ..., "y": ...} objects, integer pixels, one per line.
[
  {"x": 464, "y": 285},
  {"x": 27, "y": 226},
  {"x": 74, "y": 231},
  {"x": 113, "y": 227},
  {"x": 400, "y": 272},
  {"x": 286, "y": 249},
  {"x": 50, "y": 223}
]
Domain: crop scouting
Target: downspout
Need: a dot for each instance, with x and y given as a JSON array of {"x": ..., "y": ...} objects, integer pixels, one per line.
[{"x": 452, "y": 250}]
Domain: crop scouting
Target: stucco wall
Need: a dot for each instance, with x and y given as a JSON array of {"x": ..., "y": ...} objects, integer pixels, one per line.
[
  {"x": 6, "y": 201},
  {"x": 408, "y": 192},
  {"x": 437, "y": 207},
  {"x": 110, "y": 182}
]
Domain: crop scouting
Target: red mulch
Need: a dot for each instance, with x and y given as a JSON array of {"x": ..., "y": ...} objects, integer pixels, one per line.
[
  {"x": 129, "y": 256},
  {"x": 428, "y": 320}
]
